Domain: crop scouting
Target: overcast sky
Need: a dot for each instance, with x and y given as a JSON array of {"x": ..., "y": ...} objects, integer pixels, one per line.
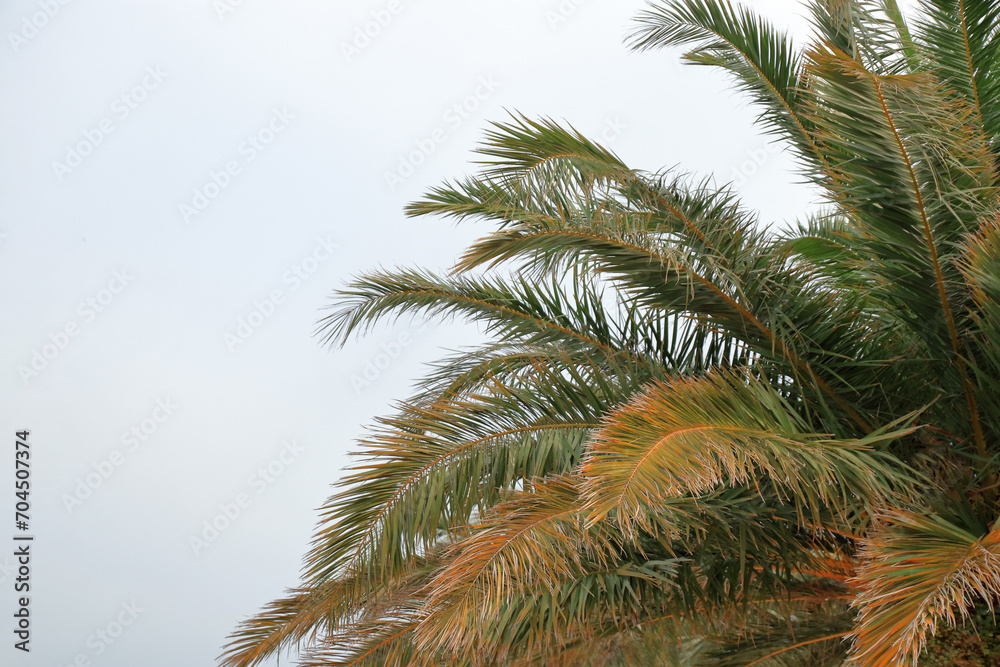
[{"x": 184, "y": 182}]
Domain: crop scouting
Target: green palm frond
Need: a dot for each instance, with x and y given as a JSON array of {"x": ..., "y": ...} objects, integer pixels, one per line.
[
  {"x": 310, "y": 615},
  {"x": 810, "y": 633},
  {"x": 962, "y": 38},
  {"x": 387, "y": 642},
  {"x": 690, "y": 252},
  {"x": 520, "y": 147},
  {"x": 298, "y": 618},
  {"x": 871, "y": 33},
  {"x": 659, "y": 347},
  {"x": 535, "y": 170},
  {"x": 510, "y": 308},
  {"x": 981, "y": 268},
  {"x": 431, "y": 467},
  {"x": 762, "y": 60},
  {"x": 689, "y": 439}
]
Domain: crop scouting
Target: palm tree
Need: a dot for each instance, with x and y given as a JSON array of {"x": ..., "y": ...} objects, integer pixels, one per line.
[{"x": 692, "y": 439}]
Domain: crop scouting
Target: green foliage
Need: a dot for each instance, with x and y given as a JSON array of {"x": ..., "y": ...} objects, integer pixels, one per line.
[
  {"x": 975, "y": 644},
  {"x": 691, "y": 440}
]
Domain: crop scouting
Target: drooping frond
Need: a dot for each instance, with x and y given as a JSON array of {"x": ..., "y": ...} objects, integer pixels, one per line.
[
  {"x": 762, "y": 59},
  {"x": 690, "y": 436},
  {"x": 385, "y": 642},
  {"x": 510, "y": 308},
  {"x": 313, "y": 614},
  {"x": 981, "y": 268},
  {"x": 431, "y": 467},
  {"x": 915, "y": 178},
  {"x": 920, "y": 569},
  {"x": 303, "y": 615},
  {"x": 962, "y": 38},
  {"x": 872, "y": 33},
  {"x": 536, "y": 536}
]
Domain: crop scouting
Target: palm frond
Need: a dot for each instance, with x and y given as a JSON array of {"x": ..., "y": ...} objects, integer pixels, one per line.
[
  {"x": 510, "y": 308},
  {"x": 920, "y": 569},
  {"x": 690, "y": 436},
  {"x": 535, "y": 536},
  {"x": 313, "y": 614},
  {"x": 981, "y": 268},
  {"x": 387, "y": 642},
  {"x": 689, "y": 252},
  {"x": 683, "y": 425},
  {"x": 871, "y": 33},
  {"x": 874, "y": 135},
  {"x": 962, "y": 38},
  {"x": 302, "y": 616},
  {"x": 762, "y": 60},
  {"x": 431, "y": 467}
]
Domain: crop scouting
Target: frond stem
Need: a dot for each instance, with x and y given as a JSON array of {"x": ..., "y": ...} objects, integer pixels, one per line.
[
  {"x": 938, "y": 273},
  {"x": 798, "y": 645}
]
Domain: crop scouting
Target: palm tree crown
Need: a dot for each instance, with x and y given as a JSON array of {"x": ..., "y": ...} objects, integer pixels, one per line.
[{"x": 691, "y": 439}]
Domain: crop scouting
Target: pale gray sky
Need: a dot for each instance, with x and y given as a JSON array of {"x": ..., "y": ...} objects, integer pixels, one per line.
[{"x": 183, "y": 184}]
